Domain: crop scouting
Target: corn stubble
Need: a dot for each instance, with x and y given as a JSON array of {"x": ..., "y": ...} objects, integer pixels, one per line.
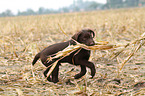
[{"x": 120, "y": 68}]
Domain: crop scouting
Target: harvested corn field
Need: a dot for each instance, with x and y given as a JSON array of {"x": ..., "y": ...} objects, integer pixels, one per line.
[{"x": 21, "y": 38}]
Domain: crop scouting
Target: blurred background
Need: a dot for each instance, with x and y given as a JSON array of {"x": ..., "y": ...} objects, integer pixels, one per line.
[{"x": 38, "y": 7}]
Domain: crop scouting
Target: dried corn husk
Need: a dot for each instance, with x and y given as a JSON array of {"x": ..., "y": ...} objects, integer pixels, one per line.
[{"x": 71, "y": 48}]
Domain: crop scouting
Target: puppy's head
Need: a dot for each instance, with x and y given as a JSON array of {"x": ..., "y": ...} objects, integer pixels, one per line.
[{"x": 85, "y": 36}]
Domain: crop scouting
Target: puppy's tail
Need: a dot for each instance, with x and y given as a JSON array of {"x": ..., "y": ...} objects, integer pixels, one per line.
[{"x": 36, "y": 58}]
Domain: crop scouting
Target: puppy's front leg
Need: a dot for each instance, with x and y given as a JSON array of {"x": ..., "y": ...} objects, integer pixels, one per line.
[
  {"x": 82, "y": 73},
  {"x": 89, "y": 65},
  {"x": 92, "y": 67}
]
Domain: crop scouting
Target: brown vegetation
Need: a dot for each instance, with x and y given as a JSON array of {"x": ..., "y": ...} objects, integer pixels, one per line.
[{"x": 22, "y": 37}]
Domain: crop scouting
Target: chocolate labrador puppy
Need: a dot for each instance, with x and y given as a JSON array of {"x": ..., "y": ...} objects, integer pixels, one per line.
[{"x": 79, "y": 57}]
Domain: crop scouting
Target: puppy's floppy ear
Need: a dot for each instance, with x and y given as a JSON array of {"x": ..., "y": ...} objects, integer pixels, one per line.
[
  {"x": 76, "y": 36},
  {"x": 92, "y": 33}
]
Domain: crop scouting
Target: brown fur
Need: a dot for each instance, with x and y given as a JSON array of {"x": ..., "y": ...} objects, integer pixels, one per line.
[{"x": 81, "y": 58}]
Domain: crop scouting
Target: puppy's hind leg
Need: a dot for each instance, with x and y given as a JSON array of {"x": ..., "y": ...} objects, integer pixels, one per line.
[
  {"x": 55, "y": 73},
  {"x": 45, "y": 74},
  {"x": 48, "y": 68}
]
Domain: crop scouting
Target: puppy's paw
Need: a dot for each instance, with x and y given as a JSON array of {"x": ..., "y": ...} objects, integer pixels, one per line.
[
  {"x": 49, "y": 79},
  {"x": 77, "y": 76},
  {"x": 55, "y": 81},
  {"x": 91, "y": 77}
]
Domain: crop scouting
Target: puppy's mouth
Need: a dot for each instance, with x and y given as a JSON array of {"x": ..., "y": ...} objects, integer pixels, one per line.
[{"x": 91, "y": 44}]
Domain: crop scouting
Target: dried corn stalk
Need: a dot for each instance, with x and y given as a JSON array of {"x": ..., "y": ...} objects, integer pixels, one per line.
[
  {"x": 140, "y": 42},
  {"x": 100, "y": 46},
  {"x": 71, "y": 48}
]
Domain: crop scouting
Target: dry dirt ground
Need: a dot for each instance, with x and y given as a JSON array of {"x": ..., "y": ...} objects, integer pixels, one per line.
[{"x": 22, "y": 37}]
